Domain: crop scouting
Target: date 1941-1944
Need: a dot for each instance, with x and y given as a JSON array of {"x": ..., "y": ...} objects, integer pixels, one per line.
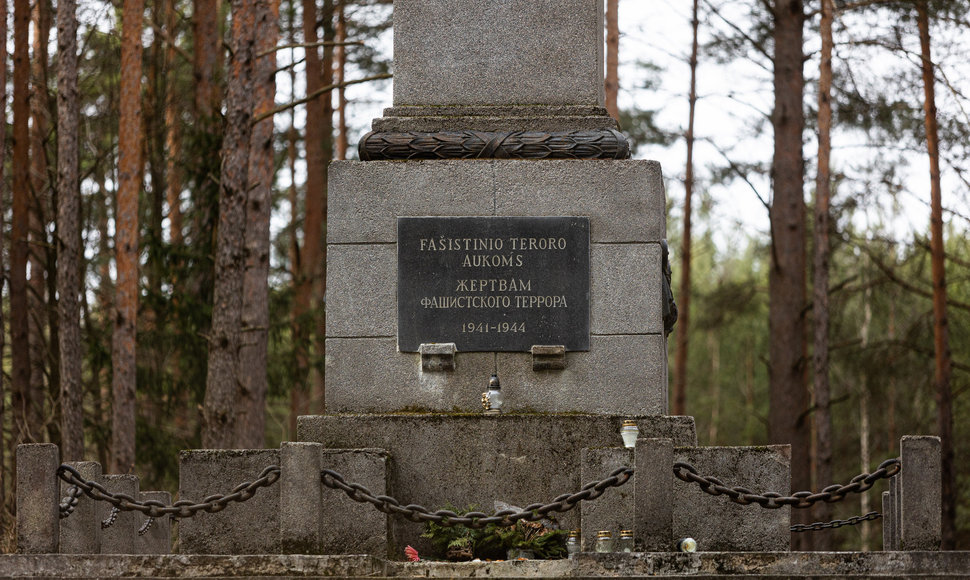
[{"x": 484, "y": 327}]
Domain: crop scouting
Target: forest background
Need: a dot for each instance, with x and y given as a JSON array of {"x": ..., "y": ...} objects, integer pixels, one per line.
[{"x": 163, "y": 219}]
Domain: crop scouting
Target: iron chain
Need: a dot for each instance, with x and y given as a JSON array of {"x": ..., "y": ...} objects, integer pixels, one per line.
[
  {"x": 835, "y": 523},
  {"x": 475, "y": 520},
  {"x": 110, "y": 520},
  {"x": 800, "y": 500},
  {"x": 146, "y": 526},
  {"x": 180, "y": 509},
  {"x": 69, "y": 503}
]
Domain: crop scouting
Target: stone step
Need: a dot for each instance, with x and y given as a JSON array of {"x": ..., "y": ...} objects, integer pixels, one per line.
[{"x": 636, "y": 565}]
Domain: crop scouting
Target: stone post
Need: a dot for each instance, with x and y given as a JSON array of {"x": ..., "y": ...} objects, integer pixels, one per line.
[
  {"x": 653, "y": 494},
  {"x": 157, "y": 539},
  {"x": 81, "y": 531},
  {"x": 37, "y": 498},
  {"x": 920, "y": 487},
  {"x": 119, "y": 537},
  {"x": 300, "y": 492}
]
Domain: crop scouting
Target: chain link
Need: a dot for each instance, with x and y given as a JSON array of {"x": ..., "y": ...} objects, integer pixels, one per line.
[
  {"x": 476, "y": 520},
  {"x": 800, "y": 500},
  {"x": 110, "y": 520},
  {"x": 854, "y": 520},
  {"x": 146, "y": 526},
  {"x": 69, "y": 503},
  {"x": 180, "y": 509}
]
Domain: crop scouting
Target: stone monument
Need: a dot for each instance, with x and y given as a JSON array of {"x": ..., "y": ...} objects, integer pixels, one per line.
[{"x": 496, "y": 225}]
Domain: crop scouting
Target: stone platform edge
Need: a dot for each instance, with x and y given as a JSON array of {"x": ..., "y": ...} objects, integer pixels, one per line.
[{"x": 586, "y": 565}]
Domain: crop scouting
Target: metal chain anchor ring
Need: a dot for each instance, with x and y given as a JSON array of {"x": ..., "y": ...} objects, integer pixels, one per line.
[
  {"x": 799, "y": 500},
  {"x": 475, "y": 520}
]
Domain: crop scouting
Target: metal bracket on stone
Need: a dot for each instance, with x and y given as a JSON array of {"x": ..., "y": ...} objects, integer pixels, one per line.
[
  {"x": 548, "y": 357},
  {"x": 437, "y": 356}
]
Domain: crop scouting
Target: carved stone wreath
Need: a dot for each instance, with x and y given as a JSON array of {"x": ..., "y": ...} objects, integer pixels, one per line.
[{"x": 589, "y": 144}]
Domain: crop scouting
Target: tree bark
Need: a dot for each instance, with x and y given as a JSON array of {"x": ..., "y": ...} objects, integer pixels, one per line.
[
  {"x": 788, "y": 421},
  {"x": 39, "y": 215},
  {"x": 223, "y": 380},
  {"x": 941, "y": 329},
  {"x": 340, "y": 68},
  {"x": 208, "y": 45},
  {"x": 69, "y": 234},
  {"x": 612, "y": 84},
  {"x": 173, "y": 175},
  {"x": 820, "y": 309},
  {"x": 123, "y": 341},
  {"x": 24, "y": 431},
  {"x": 683, "y": 298},
  {"x": 255, "y": 315},
  {"x": 3, "y": 210},
  {"x": 319, "y": 152}
]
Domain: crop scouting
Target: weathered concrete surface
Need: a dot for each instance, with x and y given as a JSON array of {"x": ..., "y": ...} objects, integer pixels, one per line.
[
  {"x": 119, "y": 537},
  {"x": 920, "y": 490},
  {"x": 369, "y": 375},
  {"x": 613, "y": 510},
  {"x": 253, "y": 530},
  {"x": 349, "y": 527},
  {"x": 507, "y": 53},
  {"x": 702, "y": 565},
  {"x": 494, "y": 118},
  {"x": 37, "y": 498},
  {"x": 721, "y": 525},
  {"x": 157, "y": 539},
  {"x": 654, "y": 506},
  {"x": 623, "y": 199},
  {"x": 300, "y": 521},
  {"x": 81, "y": 531},
  {"x": 475, "y": 459}
]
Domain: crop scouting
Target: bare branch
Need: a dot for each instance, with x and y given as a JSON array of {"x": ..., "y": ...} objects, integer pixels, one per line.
[{"x": 317, "y": 93}]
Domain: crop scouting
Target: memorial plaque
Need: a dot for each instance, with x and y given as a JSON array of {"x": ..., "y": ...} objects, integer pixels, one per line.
[{"x": 493, "y": 283}]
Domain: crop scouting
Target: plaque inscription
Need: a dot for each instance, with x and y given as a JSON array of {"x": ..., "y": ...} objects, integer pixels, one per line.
[{"x": 493, "y": 283}]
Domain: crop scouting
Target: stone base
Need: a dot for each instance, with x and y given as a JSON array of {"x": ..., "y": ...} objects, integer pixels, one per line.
[
  {"x": 777, "y": 565},
  {"x": 466, "y": 460}
]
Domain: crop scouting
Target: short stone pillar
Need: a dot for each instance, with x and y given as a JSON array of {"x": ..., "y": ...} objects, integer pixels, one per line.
[
  {"x": 300, "y": 490},
  {"x": 154, "y": 537},
  {"x": 81, "y": 531},
  {"x": 614, "y": 510},
  {"x": 920, "y": 494},
  {"x": 37, "y": 498},
  {"x": 653, "y": 492},
  {"x": 118, "y": 537}
]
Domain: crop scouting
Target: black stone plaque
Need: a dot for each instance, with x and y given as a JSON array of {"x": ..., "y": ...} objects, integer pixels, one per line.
[{"x": 493, "y": 283}]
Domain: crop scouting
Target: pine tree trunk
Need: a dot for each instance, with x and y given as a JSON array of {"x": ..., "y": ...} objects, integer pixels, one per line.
[
  {"x": 683, "y": 297},
  {"x": 788, "y": 421},
  {"x": 222, "y": 380},
  {"x": 208, "y": 47},
  {"x": 123, "y": 341},
  {"x": 820, "y": 310},
  {"x": 39, "y": 215},
  {"x": 24, "y": 431},
  {"x": 941, "y": 330},
  {"x": 69, "y": 234},
  {"x": 173, "y": 175},
  {"x": 319, "y": 151},
  {"x": 612, "y": 84},
  {"x": 3, "y": 210},
  {"x": 255, "y": 315},
  {"x": 340, "y": 68}
]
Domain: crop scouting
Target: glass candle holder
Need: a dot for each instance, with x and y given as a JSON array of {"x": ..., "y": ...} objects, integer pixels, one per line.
[
  {"x": 625, "y": 543},
  {"x": 572, "y": 543},
  {"x": 604, "y": 541},
  {"x": 687, "y": 545},
  {"x": 629, "y": 432}
]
